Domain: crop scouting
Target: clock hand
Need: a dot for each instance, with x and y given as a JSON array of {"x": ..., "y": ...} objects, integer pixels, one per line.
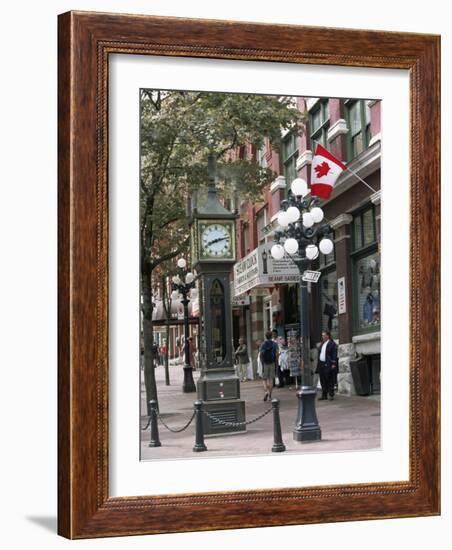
[{"x": 217, "y": 240}]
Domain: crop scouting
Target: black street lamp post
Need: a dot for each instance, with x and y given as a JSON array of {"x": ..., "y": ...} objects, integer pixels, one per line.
[
  {"x": 303, "y": 235},
  {"x": 183, "y": 286}
]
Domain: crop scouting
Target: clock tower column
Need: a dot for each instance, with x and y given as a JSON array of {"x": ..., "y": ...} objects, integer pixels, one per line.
[{"x": 213, "y": 244}]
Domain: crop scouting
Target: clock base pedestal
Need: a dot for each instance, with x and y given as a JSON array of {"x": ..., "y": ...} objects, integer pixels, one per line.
[
  {"x": 220, "y": 394},
  {"x": 229, "y": 411}
]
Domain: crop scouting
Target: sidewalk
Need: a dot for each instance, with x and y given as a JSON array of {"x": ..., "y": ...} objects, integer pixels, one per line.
[{"x": 347, "y": 423}]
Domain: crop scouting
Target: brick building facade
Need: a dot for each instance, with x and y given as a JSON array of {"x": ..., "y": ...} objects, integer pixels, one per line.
[{"x": 346, "y": 300}]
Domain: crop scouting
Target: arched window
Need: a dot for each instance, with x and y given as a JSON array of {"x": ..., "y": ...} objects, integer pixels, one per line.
[{"x": 217, "y": 306}]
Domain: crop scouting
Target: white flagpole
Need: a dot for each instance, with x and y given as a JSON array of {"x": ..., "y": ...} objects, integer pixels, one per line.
[{"x": 361, "y": 179}]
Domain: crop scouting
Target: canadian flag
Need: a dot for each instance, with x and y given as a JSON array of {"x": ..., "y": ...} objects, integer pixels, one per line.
[{"x": 324, "y": 172}]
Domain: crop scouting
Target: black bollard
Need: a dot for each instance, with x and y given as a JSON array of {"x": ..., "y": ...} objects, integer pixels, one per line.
[
  {"x": 278, "y": 445},
  {"x": 307, "y": 426},
  {"x": 155, "y": 440},
  {"x": 199, "y": 438}
]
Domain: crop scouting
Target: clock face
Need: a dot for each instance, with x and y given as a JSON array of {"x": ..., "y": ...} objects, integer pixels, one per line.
[{"x": 216, "y": 240}]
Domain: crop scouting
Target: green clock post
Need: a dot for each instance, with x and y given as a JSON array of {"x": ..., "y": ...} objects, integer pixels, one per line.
[{"x": 213, "y": 251}]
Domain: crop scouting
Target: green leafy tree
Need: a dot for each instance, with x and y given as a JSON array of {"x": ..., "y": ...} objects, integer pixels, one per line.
[{"x": 178, "y": 131}]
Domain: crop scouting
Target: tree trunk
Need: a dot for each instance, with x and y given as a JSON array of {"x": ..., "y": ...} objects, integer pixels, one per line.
[
  {"x": 166, "y": 297},
  {"x": 148, "y": 338},
  {"x": 167, "y": 377},
  {"x": 149, "y": 368}
]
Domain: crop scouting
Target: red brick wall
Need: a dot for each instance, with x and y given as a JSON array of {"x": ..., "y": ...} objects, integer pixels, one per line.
[{"x": 375, "y": 118}]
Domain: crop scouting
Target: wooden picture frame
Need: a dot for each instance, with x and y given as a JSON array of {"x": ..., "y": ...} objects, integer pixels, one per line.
[{"x": 86, "y": 40}]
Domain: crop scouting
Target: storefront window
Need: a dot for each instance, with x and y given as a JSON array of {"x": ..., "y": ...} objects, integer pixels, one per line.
[
  {"x": 291, "y": 297},
  {"x": 367, "y": 271},
  {"x": 328, "y": 303},
  {"x": 366, "y": 266}
]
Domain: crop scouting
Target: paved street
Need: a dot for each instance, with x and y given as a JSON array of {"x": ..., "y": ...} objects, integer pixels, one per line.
[{"x": 347, "y": 423}]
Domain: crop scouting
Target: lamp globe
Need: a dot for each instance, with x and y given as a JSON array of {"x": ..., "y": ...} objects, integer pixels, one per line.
[
  {"x": 326, "y": 246},
  {"x": 291, "y": 246},
  {"x": 277, "y": 251},
  {"x": 299, "y": 187}
]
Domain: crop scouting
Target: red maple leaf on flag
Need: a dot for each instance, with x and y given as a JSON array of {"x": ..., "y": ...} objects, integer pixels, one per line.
[{"x": 322, "y": 169}]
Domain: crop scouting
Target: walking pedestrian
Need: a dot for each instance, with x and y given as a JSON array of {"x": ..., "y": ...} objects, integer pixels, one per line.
[
  {"x": 279, "y": 381},
  {"x": 268, "y": 354},
  {"x": 163, "y": 352},
  {"x": 192, "y": 352},
  {"x": 241, "y": 355},
  {"x": 259, "y": 362},
  {"x": 155, "y": 354},
  {"x": 327, "y": 365}
]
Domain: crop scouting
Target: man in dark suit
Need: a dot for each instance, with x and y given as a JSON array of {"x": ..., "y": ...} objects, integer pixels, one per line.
[{"x": 327, "y": 365}]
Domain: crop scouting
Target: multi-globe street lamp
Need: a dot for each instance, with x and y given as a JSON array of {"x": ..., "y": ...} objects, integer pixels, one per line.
[
  {"x": 302, "y": 236},
  {"x": 183, "y": 285}
]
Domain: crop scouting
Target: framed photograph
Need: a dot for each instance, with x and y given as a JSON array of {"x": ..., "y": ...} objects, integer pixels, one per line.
[{"x": 248, "y": 275}]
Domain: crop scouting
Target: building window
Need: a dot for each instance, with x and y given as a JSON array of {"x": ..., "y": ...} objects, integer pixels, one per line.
[
  {"x": 289, "y": 157},
  {"x": 261, "y": 156},
  {"x": 366, "y": 272},
  {"x": 319, "y": 122},
  {"x": 246, "y": 239},
  {"x": 358, "y": 119},
  {"x": 364, "y": 229},
  {"x": 261, "y": 222}
]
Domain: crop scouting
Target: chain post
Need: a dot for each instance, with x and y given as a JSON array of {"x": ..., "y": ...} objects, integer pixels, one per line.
[
  {"x": 155, "y": 440},
  {"x": 278, "y": 445},
  {"x": 199, "y": 437}
]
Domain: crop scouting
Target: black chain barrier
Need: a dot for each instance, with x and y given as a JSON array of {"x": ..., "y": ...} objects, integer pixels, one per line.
[
  {"x": 236, "y": 424},
  {"x": 147, "y": 425},
  {"x": 176, "y": 430},
  {"x": 278, "y": 445}
]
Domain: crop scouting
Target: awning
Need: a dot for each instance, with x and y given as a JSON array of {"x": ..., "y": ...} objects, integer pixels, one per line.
[
  {"x": 177, "y": 310},
  {"x": 260, "y": 269}
]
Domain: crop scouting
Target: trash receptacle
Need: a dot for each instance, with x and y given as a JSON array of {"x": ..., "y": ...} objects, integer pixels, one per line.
[{"x": 360, "y": 374}]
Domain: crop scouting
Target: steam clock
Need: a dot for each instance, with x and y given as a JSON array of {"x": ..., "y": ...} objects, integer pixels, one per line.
[{"x": 213, "y": 252}]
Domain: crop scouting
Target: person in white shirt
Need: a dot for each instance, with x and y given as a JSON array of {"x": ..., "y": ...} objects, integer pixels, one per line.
[{"x": 326, "y": 365}]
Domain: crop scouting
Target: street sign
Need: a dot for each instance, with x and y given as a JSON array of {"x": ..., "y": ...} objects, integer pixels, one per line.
[{"x": 311, "y": 276}]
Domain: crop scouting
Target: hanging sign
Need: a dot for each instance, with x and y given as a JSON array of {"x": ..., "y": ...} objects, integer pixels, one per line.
[
  {"x": 342, "y": 307},
  {"x": 239, "y": 301},
  {"x": 260, "y": 269}
]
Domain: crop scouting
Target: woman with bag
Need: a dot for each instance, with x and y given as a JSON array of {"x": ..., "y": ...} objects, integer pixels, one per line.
[{"x": 241, "y": 355}]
